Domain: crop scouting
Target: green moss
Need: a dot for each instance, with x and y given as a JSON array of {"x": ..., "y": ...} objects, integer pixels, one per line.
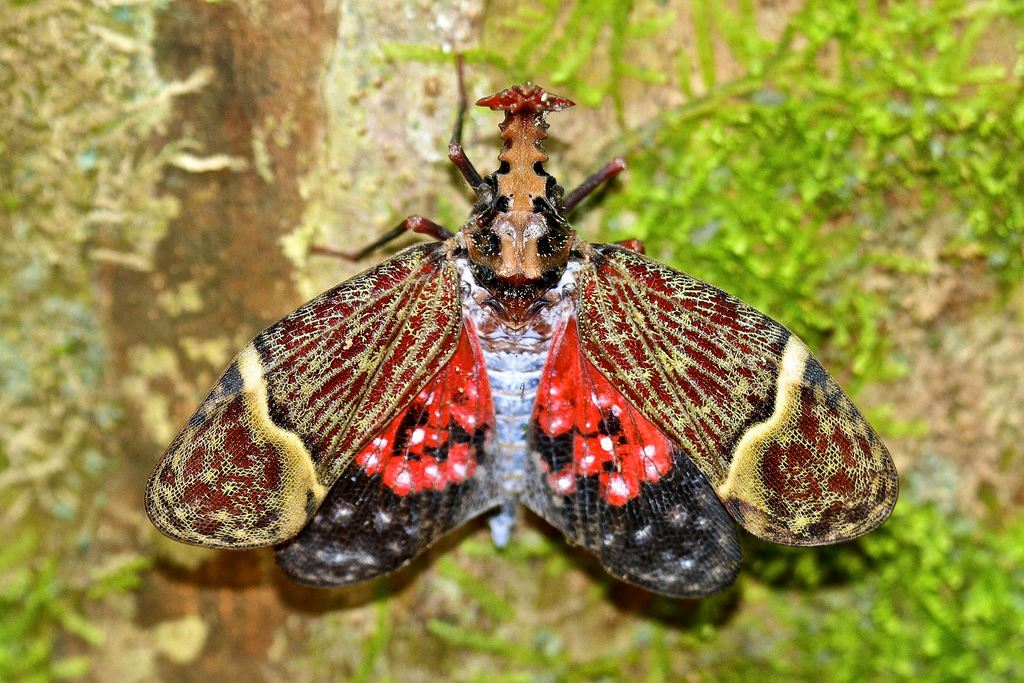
[
  {"x": 793, "y": 186},
  {"x": 37, "y": 603},
  {"x": 932, "y": 598}
]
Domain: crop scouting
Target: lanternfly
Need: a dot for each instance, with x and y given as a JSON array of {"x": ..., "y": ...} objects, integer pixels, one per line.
[{"x": 640, "y": 411}]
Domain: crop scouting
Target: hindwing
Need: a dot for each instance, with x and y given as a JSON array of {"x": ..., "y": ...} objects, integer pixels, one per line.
[
  {"x": 613, "y": 483},
  {"x": 425, "y": 473},
  {"x": 785, "y": 449},
  {"x": 300, "y": 402}
]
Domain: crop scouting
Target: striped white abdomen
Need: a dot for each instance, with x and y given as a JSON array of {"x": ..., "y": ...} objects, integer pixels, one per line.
[{"x": 514, "y": 368}]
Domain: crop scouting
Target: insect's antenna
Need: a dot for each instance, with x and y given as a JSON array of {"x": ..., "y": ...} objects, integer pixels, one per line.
[
  {"x": 609, "y": 171},
  {"x": 455, "y": 151},
  {"x": 460, "y": 75}
]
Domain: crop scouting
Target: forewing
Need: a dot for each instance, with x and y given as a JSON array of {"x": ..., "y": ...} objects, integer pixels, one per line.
[
  {"x": 789, "y": 455},
  {"x": 302, "y": 399},
  {"x": 425, "y": 473},
  {"x": 613, "y": 483}
]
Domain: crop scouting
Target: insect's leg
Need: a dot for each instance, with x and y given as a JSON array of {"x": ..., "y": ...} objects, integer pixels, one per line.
[
  {"x": 610, "y": 170},
  {"x": 633, "y": 245},
  {"x": 418, "y": 224},
  {"x": 455, "y": 151}
]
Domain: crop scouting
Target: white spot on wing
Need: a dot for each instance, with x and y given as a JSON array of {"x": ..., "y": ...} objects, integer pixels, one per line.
[
  {"x": 651, "y": 469},
  {"x": 617, "y": 485}
]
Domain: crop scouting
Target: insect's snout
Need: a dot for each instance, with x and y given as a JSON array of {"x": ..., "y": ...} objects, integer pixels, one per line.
[
  {"x": 518, "y": 259},
  {"x": 510, "y": 247}
]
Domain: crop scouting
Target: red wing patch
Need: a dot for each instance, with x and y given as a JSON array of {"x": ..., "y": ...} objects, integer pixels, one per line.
[
  {"x": 611, "y": 440},
  {"x": 432, "y": 443},
  {"x": 613, "y": 483}
]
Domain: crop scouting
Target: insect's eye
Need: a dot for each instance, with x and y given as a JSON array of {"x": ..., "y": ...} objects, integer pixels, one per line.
[
  {"x": 556, "y": 194},
  {"x": 487, "y": 243},
  {"x": 485, "y": 197},
  {"x": 549, "y": 245}
]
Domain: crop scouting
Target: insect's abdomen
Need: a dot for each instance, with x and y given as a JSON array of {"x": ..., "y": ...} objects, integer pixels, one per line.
[
  {"x": 513, "y": 370},
  {"x": 515, "y": 358}
]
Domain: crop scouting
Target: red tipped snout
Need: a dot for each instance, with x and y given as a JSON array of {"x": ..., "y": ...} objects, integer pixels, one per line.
[{"x": 525, "y": 98}]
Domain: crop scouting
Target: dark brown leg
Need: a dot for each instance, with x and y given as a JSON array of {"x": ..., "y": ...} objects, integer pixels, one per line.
[
  {"x": 633, "y": 245},
  {"x": 455, "y": 151},
  {"x": 610, "y": 170},
  {"x": 418, "y": 224}
]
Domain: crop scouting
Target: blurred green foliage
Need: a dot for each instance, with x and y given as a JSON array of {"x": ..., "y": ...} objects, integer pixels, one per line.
[
  {"x": 36, "y": 601},
  {"x": 929, "y": 598},
  {"x": 546, "y": 47},
  {"x": 33, "y": 604}
]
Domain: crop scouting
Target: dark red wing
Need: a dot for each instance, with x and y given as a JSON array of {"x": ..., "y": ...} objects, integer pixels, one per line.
[
  {"x": 298, "y": 404},
  {"x": 613, "y": 483},
  {"x": 785, "y": 449},
  {"x": 425, "y": 473}
]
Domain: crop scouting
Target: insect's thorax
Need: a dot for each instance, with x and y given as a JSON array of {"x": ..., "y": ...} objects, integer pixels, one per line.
[{"x": 517, "y": 237}]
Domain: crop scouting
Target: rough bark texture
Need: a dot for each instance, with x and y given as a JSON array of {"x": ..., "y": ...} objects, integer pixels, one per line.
[{"x": 222, "y": 253}]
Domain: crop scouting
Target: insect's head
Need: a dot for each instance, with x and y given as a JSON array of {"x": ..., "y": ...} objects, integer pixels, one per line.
[{"x": 517, "y": 237}]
